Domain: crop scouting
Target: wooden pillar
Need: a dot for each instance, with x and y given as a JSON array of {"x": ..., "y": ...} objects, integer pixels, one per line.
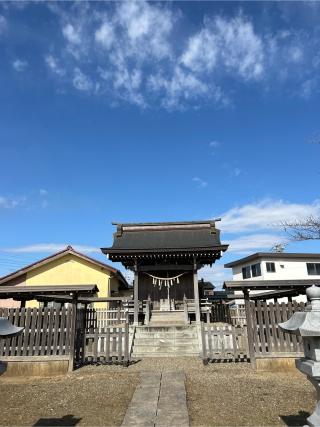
[
  {"x": 22, "y": 303},
  {"x": 196, "y": 291},
  {"x": 250, "y": 330},
  {"x": 136, "y": 295}
]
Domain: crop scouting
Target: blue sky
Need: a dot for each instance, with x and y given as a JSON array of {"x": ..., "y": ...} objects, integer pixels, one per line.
[{"x": 136, "y": 111}]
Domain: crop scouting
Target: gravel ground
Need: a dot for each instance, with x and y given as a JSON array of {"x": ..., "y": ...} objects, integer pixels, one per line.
[
  {"x": 90, "y": 398},
  {"x": 218, "y": 395}
]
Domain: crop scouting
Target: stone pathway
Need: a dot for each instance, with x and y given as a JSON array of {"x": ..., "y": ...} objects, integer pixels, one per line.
[{"x": 158, "y": 401}]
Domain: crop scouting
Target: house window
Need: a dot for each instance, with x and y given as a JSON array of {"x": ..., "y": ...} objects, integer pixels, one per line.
[
  {"x": 313, "y": 268},
  {"x": 246, "y": 273},
  {"x": 271, "y": 267},
  {"x": 256, "y": 270}
]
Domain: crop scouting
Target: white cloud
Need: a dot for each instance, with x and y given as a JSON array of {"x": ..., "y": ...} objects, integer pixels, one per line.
[
  {"x": 81, "y": 81},
  {"x": 146, "y": 28},
  {"x": 20, "y": 65},
  {"x": 265, "y": 214},
  {"x": 231, "y": 44},
  {"x": 54, "y": 66},
  {"x": 202, "y": 52},
  {"x": 200, "y": 182},
  {"x": 105, "y": 35},
  {"x": 254, "y": 242},
  {"x": 180, "y": 87},
  {"x": 43, "y": 192},
  {"x": 296, "y": 54},
  {"x": 51, "y": 247},
  {"x": 3, "y": 24},
  {"x": 9, "y": 203},
  {"x": 72, "y": 34},
  {"x": 141, "y": 53}
]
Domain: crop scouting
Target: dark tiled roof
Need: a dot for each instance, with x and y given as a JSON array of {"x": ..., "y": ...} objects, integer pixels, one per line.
[{"x": 166, "y": 237}]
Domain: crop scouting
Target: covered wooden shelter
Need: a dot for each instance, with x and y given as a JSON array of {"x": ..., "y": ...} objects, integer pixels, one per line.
[
  {"x": 255, "y": 294},
  {"x": 165, "y": 258}
]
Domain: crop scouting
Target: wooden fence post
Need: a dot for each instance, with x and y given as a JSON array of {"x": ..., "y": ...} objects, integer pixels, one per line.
[
  {"x": 126, "y": 345},
  {"x": 185, "y": 310},
  {"x": 204, "y": 344},
  {"x": 72, "y": 335},
  {"x": 250, "y": 330}
]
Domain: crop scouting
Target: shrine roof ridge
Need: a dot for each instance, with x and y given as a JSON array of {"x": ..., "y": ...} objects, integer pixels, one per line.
[{"x": 170, "y": 223}]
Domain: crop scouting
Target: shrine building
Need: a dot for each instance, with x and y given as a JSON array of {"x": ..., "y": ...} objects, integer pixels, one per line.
[{"x": 165, "y": 258}]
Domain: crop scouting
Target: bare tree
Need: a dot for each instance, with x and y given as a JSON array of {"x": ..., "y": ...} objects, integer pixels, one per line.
[{"x": 303, "y": 229}]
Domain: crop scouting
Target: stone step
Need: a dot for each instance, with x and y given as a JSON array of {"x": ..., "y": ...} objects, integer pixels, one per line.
[
  {"x": 155, "y": 346},
  {"x": 166, "y": 329},
  {"x": 150, "y": 341},
  {"x": 186, "y": 334},
  {"x": 163, "y": 354},
  {"x": 141, "y": 348}
]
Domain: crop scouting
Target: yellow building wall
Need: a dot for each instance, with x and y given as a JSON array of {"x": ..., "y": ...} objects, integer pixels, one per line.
[{"x": 70, "y": 270}]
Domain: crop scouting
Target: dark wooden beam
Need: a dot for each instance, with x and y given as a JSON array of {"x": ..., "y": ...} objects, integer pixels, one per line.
[{"x": 164, "y": 267}]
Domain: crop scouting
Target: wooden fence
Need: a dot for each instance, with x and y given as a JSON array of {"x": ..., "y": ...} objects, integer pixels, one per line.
[
  {"x": 64, "y": 332},
  {"x": 224, "y": 342},
  {"x": 47, "y": 332},
  {"x": 101, "y": 317},
  {"x": 238, "y": 315},
  {"x": 107, "y": 345},
  {"x": 220, "y": 313},
  {"x": 268, "y": 339}
]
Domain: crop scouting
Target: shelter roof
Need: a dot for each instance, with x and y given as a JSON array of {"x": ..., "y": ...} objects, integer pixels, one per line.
[
  {"x": 62, "y": 292},
  {"x": 60, "y": 254},
  {"x": 270, "y": 284}
]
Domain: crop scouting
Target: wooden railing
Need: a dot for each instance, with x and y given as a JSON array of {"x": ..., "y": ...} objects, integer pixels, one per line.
[
  {"x": 224, "y": 342},
  {"x": 107, "y": 345},
  {"x": 238, "y": 315},
  {"x": 102, "y": 317}
]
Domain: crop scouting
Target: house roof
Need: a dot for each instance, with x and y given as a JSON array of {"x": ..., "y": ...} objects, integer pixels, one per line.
[
  {"x": 68, "y": 250},
  {"x": 272, "y": 255},
  {"x": 166, "y": 237}
]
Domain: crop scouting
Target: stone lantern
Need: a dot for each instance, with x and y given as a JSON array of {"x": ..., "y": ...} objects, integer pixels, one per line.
[{"x": 307, "y": 325}]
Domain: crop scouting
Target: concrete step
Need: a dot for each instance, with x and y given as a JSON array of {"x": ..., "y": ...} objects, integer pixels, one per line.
[
  {"x": 166, "y": 329},
  {"x": 167, "y": 317},
  {"x": 151, "y": 341},
  {"x": 162, "y": 354},
  {"x": 163, "y": 335},
  {"x": 165, "y": 343}
]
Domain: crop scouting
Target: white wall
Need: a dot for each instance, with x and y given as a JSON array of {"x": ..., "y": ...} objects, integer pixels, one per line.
[{"x": 293, "y": 269}]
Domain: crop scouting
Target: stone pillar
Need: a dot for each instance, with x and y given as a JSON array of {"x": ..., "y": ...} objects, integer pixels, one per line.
[
  {"x": 307, "y": 325},
  {"x": 136, "y": 296},
  {"x": 196, "y": 292}
]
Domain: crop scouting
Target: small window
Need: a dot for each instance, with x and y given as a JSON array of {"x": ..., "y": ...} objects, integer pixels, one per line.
[
  {"x": 271, "y": 268},
  {"x": 256, "y": 270},
  {"x": 313, "y": 268},
  {"x": 246, "y": 273}
]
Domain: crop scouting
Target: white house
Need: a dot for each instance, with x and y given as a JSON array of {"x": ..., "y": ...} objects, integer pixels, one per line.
[{"x": 274, "y": 266}]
